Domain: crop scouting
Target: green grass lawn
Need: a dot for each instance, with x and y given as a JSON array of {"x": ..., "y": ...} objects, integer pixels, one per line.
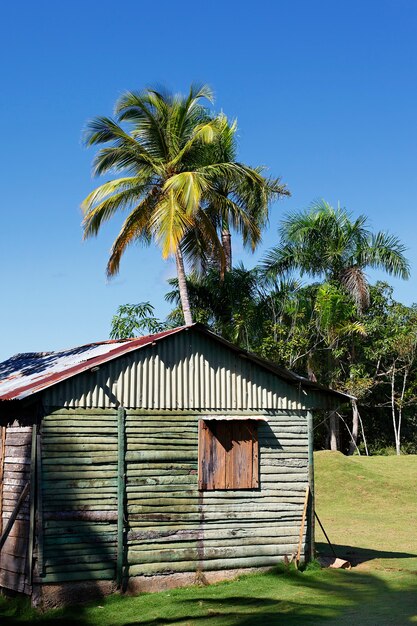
[{"x": 369, "y": 509}]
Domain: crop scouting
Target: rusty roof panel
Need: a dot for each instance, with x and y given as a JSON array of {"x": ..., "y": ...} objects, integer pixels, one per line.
[{"x": 29, "y": 372}]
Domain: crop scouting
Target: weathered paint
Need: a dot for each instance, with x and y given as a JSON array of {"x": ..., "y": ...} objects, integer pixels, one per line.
[
  {"x": 187, "y": 370},
  {"x": 100, "y": 499},
  {"x": 172, "y": 526},
  {"x": 14, "y": 567},
  {"x": 79, "y": 496}
]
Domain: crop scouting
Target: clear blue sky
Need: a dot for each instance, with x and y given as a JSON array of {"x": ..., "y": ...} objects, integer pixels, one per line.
[{"x": 325, "y": 94}]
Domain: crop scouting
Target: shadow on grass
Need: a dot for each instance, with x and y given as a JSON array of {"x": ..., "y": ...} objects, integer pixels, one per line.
[
  {"x": 356, "y": 555},
  {"x": 277, "y": 597}
]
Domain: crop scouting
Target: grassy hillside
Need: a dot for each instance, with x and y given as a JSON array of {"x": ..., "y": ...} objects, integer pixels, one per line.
[{"x": 368, "y": 507}]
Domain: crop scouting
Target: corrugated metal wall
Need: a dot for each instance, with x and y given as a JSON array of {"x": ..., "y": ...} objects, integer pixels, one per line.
[{"x": 185, "y": 371}]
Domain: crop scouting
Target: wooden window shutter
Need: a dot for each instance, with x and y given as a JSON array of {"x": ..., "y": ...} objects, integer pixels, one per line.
[{"x": 228, "y": 454}]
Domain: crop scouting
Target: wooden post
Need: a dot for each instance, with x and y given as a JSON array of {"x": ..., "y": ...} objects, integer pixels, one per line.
[
  {"x": 121, "y": 491},
  {"x": 32, "y": 496},
  {"x": 2, "y": 455},
  {"x": 311, "y": 519},
  {"x": 39, "y": 505}
]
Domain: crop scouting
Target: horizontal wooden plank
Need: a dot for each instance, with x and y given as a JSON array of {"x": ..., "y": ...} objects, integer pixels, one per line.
[
  {"x": 15, "y": 545},
  {"x": 79, "y": 472},
  {"x": 103, "y": 560},
  {"x": 165, "y": 482},
  {"x": 75, "y": 461},
  {"x": 82, "y": 497},
  {"x": 79, "y": 439},
  {"x": 22, "y": 452},
  {"x": 81, "y": 515},
  {"x": 201, "y": 552},
  {"x": 66, "y": 576},
  {"x": 287, "y": 515},
  {"x": 12, "y": 563},
  {"x": 77, "y": 541},
  {"x": 168, "y": 455},
  {"x": 53, "y": 450},
  {"x": 148, "y": 569},
  {"x": 18, "y": 429},
  {"x": 81, "y": 504},
  {"x": 80, "y": 526},
  {"x": 76, "y": 567},
  {"x": 81, "y": 413},
  {"x": 215, "y": 533},
  {"x": 87, "y": 483},
  {"x": 137, "y": 549},
  {"x": 14, "y": 581},
  {"x": 17, "y": 460}
]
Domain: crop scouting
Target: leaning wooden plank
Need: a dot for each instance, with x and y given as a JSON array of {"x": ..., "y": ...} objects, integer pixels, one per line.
[{"x": 14, "y": 514}]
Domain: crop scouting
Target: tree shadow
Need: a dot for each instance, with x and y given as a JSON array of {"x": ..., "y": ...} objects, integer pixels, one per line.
[
  {"x": 287, "y": 597},
  {"x": 356, "y": 555}
]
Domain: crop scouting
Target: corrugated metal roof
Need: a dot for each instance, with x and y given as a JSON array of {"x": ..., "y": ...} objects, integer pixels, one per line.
[{"x": 28, "y": 373}]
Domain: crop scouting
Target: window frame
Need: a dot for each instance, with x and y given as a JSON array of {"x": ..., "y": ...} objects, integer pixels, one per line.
[{"x": 228, "y": 459}]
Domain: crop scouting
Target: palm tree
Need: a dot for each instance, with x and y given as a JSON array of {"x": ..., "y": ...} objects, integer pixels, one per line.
[
  {"x": 239, "y": 203},
  {"x": 167, "y": 174},
  {"x": 326, "y": 242}
]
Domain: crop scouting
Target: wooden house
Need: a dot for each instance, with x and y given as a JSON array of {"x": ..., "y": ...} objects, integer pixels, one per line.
[{"x": 151, "y": 462}]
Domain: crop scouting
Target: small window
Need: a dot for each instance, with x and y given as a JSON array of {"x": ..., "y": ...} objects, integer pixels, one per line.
[{"x": 228, "y": 454}]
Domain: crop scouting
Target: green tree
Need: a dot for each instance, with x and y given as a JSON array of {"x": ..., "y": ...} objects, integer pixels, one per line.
[
  {"x": 132, "y": 319},
  {"x": 324, "y": 242},
  {"x": 167, "y": 174},
  {"x": 390, "y": 356},
  {"x": 228, "y": 306}
]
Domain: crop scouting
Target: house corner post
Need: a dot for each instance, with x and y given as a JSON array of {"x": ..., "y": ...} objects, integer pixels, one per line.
[
  {"x": 121, "y": 492},
  {"x": 311, "y": 515}
]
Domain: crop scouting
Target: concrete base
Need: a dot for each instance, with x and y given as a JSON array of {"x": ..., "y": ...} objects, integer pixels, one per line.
[
  {"x": 162, "y": 582},
  {"x": 52, "y": 596},
  {"x": 47, "y": 597}
]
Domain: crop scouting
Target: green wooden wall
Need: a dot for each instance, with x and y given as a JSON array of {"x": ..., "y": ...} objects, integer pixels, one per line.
[
  {"x": 79, "y": 489},
  {"x": 169, "y": 525}
]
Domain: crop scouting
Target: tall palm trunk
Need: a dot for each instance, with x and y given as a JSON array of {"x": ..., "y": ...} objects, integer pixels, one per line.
[
  {"x": 227, "y": 247},
  {"x": 182, "y": 286}
]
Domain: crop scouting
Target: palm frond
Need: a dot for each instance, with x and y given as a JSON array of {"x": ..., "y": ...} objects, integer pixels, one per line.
[
  {"x": 187, "y": 188},
  {"x": 168, "y": 223},
  {"x": 386, "y": 252},
  {"x": 134, "y": 229},
  {"x": 354, "y": 281}
]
